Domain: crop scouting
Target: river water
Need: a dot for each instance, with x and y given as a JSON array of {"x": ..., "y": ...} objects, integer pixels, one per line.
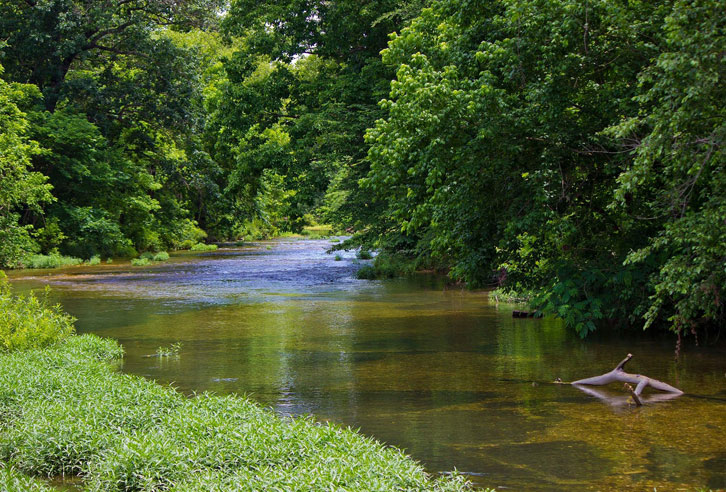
[{"x": 444, "y": 373}]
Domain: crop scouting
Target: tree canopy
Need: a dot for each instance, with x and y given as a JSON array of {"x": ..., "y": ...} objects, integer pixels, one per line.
[{"x": 567, "y": 152}]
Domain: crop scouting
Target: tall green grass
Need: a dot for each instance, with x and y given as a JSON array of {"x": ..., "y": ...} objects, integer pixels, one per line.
[
  {"x": 64, "y": 410},
  {"x": 51, "y": 261},
  {"x": 12, "y": 481},
  {"x": 29, "y": 321}
]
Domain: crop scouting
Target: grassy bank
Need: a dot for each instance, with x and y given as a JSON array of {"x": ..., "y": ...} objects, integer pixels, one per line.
[{"x": 66, "y": 410}]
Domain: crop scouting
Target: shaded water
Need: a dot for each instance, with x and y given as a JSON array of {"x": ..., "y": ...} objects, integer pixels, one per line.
[{"x": 443, "y": 373}]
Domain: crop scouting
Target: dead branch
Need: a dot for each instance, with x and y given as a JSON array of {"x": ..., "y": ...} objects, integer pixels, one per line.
[{"x": 619, "y": 375}]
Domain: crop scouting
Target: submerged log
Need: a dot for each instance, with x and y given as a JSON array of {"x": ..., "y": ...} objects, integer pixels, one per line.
[
  {"x": 619, "y": 375},
  {"x": 522, "y": 314}
]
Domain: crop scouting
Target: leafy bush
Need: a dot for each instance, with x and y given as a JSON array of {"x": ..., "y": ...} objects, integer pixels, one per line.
[
  {"x": 140, "y": 261},
  {"x": 27, "y": 321},
  {"x": 94, "y": 260},
  {"x": 53, "y": 260},
  {"x": 161, "y": 256},
  {"x": 204, "y": 247},
  {"x": 71, "y": 413}
]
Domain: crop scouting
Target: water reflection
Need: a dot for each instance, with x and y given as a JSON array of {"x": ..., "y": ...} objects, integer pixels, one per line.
[{"x": 442, "y": 373}]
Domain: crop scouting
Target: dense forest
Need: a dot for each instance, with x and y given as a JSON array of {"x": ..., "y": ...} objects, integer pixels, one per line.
[{"x": 567, "y": 152}]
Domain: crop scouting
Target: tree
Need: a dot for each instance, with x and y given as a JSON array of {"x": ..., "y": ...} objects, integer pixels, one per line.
[{"x": 20, "y": 188}]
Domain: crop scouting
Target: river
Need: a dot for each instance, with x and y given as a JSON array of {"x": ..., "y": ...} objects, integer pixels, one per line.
[{"x": 444, "y": 373}]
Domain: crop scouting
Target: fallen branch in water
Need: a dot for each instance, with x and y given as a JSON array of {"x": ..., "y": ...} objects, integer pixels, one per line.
[{"x": 619, "y": 375}]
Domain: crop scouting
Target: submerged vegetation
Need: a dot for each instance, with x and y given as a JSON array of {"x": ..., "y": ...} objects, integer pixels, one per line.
[
  {"x": 66, "y": 411},
  {"x": 570, "y": 150}
]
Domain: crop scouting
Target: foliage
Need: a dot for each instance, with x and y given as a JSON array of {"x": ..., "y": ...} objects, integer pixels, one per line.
[
  {"x": 140, "y": 261},
  {"x": 54, "y": 260},
  {"x": 12, "y": 481},
  {"x": 20, "y": 187},
  {"x": 71, "y": 414},
  {"x": 518, "y": 149},
  {"x": 678, "y": 173},
  {"x": 204, "y": 247},
  {"x": 173, "y": 350},
  {"x": 27, "y": 321},
  {"x": 160, "y": 256}
]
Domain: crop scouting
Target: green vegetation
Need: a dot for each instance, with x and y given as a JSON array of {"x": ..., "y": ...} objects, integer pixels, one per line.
[
  {"x": 204, "y": 247},
  {"x": 27, "y": 321},
  {"x": 569, "y": 149},
  {"x": 53, "y": 260},
  {"x": 364, "y": 254},
  {"x": 140, "y": 261},
  {"x": 12, "y": 481},
  {"x": 173, "y": 350},
  {"x": 572, "y": 150},
  {"x": 65, "y": 411},
  {"x": 160, "y": 256}
]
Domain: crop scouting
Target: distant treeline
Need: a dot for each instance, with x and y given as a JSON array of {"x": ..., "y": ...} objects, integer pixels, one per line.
[{"x": 566, "y": 151}]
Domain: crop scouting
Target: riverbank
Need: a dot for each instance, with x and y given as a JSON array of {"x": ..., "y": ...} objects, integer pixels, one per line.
[{"x": 65, "y": 410}]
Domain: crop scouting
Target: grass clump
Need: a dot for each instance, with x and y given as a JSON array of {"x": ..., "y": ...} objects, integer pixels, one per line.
[
  {"x": 160, "y": 256},
  {"x": 204, "y": 247},
  {"x": 93, "y": 260},
  {"x": 364, "y": 254},
  {"x": 140, "y": 261},
  {"x": 172, "y": 351},
  {"x": 64, "y": 410},
  {"x": 28, "y": 321},
  {"x": 53, "y": 260},
  {"x": 338, "y": 258}
]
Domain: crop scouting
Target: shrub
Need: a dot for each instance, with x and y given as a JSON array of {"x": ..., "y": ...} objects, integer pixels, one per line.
[
  {"x": 27, "y": 321},
  {"x": 161, "y": 256},
  {"x": 338, "y": 258},
  {"x": 140, "y": 261}
]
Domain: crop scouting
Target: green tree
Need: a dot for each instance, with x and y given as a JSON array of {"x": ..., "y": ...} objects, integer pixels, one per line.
[
  {"x": 21, "y": 189},
  {"x": 678, "y": 176}
]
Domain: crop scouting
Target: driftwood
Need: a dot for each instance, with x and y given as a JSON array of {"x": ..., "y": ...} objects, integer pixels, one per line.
[
  {"x": 625, "y": 400},
  {"x": 619, "y": 375}
]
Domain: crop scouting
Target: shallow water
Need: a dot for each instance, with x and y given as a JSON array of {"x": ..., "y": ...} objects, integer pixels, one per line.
[{"x": 443, "y": 373}]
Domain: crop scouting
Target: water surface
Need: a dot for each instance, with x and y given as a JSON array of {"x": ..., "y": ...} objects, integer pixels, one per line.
[{"x": 443, "y": 373}]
